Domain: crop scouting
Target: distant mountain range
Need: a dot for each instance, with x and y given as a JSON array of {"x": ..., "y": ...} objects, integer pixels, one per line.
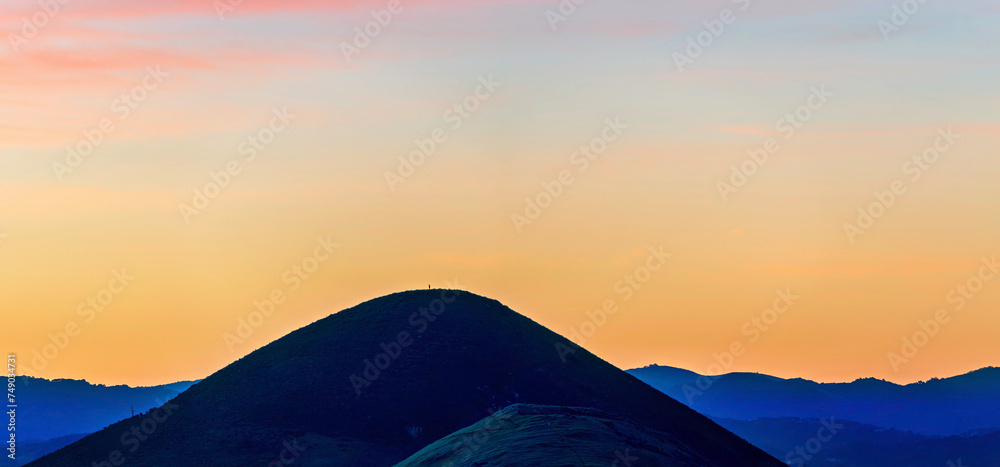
[
  {"x": 54, "y": 413},
  {"x": 376, "y": 383},
  {"x": 943, "y": 407},
  {"x": 947, "y": 422},
  {"x": 28, "y": 451},
  {"x": 798, "y": 442},
  {"x": 52, "y": 408}
]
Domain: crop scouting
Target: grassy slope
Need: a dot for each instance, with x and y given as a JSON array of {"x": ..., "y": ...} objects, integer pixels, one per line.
[{"x": 548, "y": 435}]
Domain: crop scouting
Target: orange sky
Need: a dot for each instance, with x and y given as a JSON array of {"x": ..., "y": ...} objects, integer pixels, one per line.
[{"x": 215, "y": 154}]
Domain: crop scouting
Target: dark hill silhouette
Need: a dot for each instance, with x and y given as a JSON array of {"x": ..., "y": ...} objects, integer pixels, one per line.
[
  {"x": 948, "y": 406},
  {"x": 476, "y": 355}
]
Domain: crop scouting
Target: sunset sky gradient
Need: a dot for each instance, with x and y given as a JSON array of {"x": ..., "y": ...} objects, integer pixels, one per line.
[{"x": 656, "y": 186}]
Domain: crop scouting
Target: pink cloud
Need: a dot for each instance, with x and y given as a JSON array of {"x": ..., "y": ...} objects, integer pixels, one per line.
[
  {"x": 107, "y": 9},
  {"x": 114, "y": 9}
]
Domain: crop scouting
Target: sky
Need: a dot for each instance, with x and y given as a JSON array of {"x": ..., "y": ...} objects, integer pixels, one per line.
[{"x": 804, "y": 189}]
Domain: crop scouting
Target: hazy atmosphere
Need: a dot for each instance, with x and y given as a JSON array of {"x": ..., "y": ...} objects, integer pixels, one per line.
[{"x": 797, "y": 189}]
